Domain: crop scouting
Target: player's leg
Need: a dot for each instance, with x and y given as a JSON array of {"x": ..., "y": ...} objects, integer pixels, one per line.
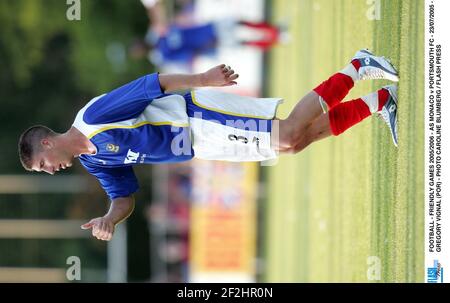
[
  {"x": 317, "y": 130},
  {"x": 345, "y": 115},
  {"x": 364, "y": 65},
  {"x": 287, "y": 132},
  {"x": 322, "y": 98},
  {"x": 382, "y": 102},
  {"x": 327, "y": 95}
]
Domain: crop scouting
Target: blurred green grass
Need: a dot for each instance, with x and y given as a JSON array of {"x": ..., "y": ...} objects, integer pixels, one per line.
[{"x": 347, "y": 198}]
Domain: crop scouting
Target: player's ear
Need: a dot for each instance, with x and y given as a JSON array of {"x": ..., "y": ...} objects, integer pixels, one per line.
[{"x": 47, "y": 143}]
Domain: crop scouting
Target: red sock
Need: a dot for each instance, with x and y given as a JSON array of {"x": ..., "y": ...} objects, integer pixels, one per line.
[
  {"x": 383, "y": 96},
  {"x": 261, "y": 44},
  {"x": 260, "y": 25},
  {"x": 356, "y": 64},
  {"x": 334, "y": 89},
  {"x": 271, "y": 34},
  {"x": 347, "y": 114}
]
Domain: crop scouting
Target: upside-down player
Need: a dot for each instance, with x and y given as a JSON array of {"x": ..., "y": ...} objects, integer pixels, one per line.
[{"x": 139, "y": 123}]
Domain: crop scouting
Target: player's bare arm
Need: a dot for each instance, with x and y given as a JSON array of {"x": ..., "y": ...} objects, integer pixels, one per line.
[
  {"x": 220, "y": 75},
  {"x": 103, "y": 227}
]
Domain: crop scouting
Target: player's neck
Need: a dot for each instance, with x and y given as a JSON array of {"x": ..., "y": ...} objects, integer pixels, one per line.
[{"x": 77, "y": 143}]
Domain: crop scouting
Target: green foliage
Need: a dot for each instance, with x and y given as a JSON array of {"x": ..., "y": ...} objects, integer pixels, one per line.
[{"x": 50, "y": 66}]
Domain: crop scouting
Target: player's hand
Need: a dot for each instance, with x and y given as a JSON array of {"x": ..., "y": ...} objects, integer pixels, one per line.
[
  {"x": 221, "y": 75},
  {"x": 102, "y": 228}
]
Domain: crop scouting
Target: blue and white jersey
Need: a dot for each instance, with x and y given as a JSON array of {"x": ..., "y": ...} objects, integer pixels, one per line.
[{"x": 133, "y": 124}]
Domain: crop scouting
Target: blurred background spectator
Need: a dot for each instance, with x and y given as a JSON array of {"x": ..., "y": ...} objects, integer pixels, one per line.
[{"x": 173, "y": 44}]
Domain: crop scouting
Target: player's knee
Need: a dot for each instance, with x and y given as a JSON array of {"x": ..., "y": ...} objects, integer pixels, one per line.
[
  {"x": 289, "y": 151},
  {"x": 295, "y": 137},
  {"x": 288, "y": 136},
  {"x": 290, "y": 143},
  {"x": 299, "y": 148},
  {"x": 303, "y": 143}
]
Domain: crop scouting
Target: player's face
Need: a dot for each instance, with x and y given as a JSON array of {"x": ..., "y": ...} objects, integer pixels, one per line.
[{"x": 51, "y": 160}]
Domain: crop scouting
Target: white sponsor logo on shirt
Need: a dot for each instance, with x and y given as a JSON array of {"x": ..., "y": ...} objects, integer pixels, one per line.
[{"x": 132, "y": 157}]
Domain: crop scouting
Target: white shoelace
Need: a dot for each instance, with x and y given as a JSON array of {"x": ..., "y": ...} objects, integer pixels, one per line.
[
  {"x": 372, "y": 73},
  {"x": 384, "y": 114}
]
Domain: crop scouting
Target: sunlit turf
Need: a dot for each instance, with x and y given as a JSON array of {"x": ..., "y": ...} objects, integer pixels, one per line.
[{"x": 347, "y": 198}]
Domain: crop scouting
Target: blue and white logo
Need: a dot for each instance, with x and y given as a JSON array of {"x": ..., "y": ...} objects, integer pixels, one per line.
[{"x": 435, "y": 274}]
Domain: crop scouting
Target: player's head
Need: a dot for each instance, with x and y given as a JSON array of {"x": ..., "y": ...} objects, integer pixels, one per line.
[{"x": 40, "y": 150}]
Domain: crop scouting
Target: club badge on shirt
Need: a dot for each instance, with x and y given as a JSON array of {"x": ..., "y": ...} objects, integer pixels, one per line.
[{"x": 112, "y": 148}]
